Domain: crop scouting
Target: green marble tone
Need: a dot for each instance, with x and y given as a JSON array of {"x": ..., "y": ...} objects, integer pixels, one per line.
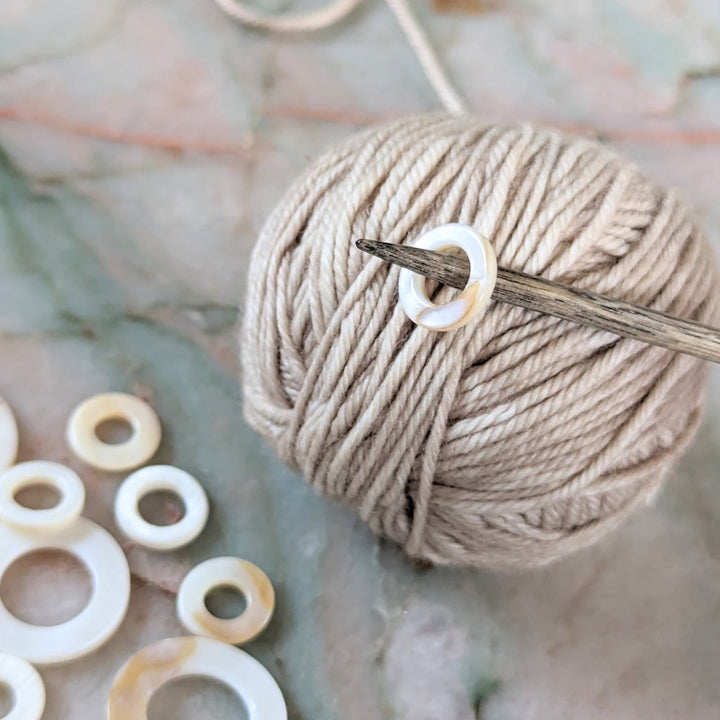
[{"x": 141, "y": 146}]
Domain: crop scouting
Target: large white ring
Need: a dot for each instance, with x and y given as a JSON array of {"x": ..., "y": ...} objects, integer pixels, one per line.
[
  {"x": 8, "y": 436},
  {"x": 471, "y": 301},
  {"x": 94, "y": 625},
  {"x": 242, "y": 575},
  {"x": 153, "y": 666},
  {"x": 151, "y": 479},
  {"x": 138, "y": 449},
  {"x": 39, "y": 472},
  {"x": 27, "y": 687}
]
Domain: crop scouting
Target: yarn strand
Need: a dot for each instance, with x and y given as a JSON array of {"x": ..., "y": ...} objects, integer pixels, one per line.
[
  {"x": 427, "y": 57},
  {"x": 334, "y": 13}
]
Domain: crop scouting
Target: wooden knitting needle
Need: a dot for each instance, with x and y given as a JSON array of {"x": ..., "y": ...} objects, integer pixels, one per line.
[{"x": 580, "y": 306}]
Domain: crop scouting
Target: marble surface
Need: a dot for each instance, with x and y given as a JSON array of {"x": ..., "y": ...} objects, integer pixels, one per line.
[{"x": 141, "y": 146}]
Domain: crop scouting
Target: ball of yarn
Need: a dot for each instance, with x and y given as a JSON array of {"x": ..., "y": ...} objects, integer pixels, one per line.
[{"x": 520, "y": 437}]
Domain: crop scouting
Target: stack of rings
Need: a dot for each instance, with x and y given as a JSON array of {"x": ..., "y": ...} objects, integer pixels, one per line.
[
  {"x": 108, "y": 568},
  {"x": 24, "y": 530},
  {"x": 209, "y": 651},
  {"x": 62, "y": 527}
]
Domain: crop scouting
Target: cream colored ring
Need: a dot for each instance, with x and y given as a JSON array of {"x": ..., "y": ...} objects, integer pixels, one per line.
[
  {"x": 153, "y": 666},
  {"x": 84, "y": 442},
  {"x": 242, "y": 575},
  {"x": 27, "y": 687},
  {"x": 471, "y": 301},
  {"x": 97, "y": 622},
  {"x": 8, "y": 436},
  {"x": 39, "y": 472},
  {"x": 307, "y": 21},
  {"x": 151, "y": 479}
]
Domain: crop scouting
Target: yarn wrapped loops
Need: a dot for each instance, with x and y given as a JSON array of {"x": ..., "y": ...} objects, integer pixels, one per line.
[{"x": 520, "y": 437}]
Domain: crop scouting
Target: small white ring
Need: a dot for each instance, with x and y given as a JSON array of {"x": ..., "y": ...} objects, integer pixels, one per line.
[
  {"x": 8, "y": 436},
  {"x": 471, "y": 301},
  {"x": 27, "y": 687},
  {"x": 151, "y": 479},
  {"x": 138, "y": 449},
  {"x": 153, "y": 666},
  {"x": 242, "y": 575},
  {"x": 102, "y": 616},
  {"x": 39, "y": 472}
]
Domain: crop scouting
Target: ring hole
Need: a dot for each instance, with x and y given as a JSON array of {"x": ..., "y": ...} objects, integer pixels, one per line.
[
  {"x": 225, "y": 602},
  {"x": 189, "y": 698},
  {"x": 114, "y": 431},
  {"x": 437, "y": 292},
  {"x": 162, "y": 507},
  {"x": 7, "y": 699},
  {"x": 46, "y": 587},
  {"x": 39, "y": 494}
]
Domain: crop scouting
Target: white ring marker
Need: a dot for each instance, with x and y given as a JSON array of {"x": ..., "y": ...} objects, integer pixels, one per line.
[
  {"x": 28, "y": 474},
  {"x": 471, "y": 301},
  {"x": 153, "y": 666},
  {"x": 242, "y": 575},
  {"x": 84, "y": 442},
  {"x": 102, "y": 616},
  {"x": 27, "y": 687},
  {"x": 8, "y": 436},
  {"x": 151, "y": 479}
]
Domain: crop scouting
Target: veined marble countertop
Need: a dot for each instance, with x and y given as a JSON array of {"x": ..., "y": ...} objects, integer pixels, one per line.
[{"x": 142, "y": 144}]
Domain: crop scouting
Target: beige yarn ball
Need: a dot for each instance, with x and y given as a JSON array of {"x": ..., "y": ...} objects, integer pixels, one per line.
[{"x": 520, "y": 437}]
